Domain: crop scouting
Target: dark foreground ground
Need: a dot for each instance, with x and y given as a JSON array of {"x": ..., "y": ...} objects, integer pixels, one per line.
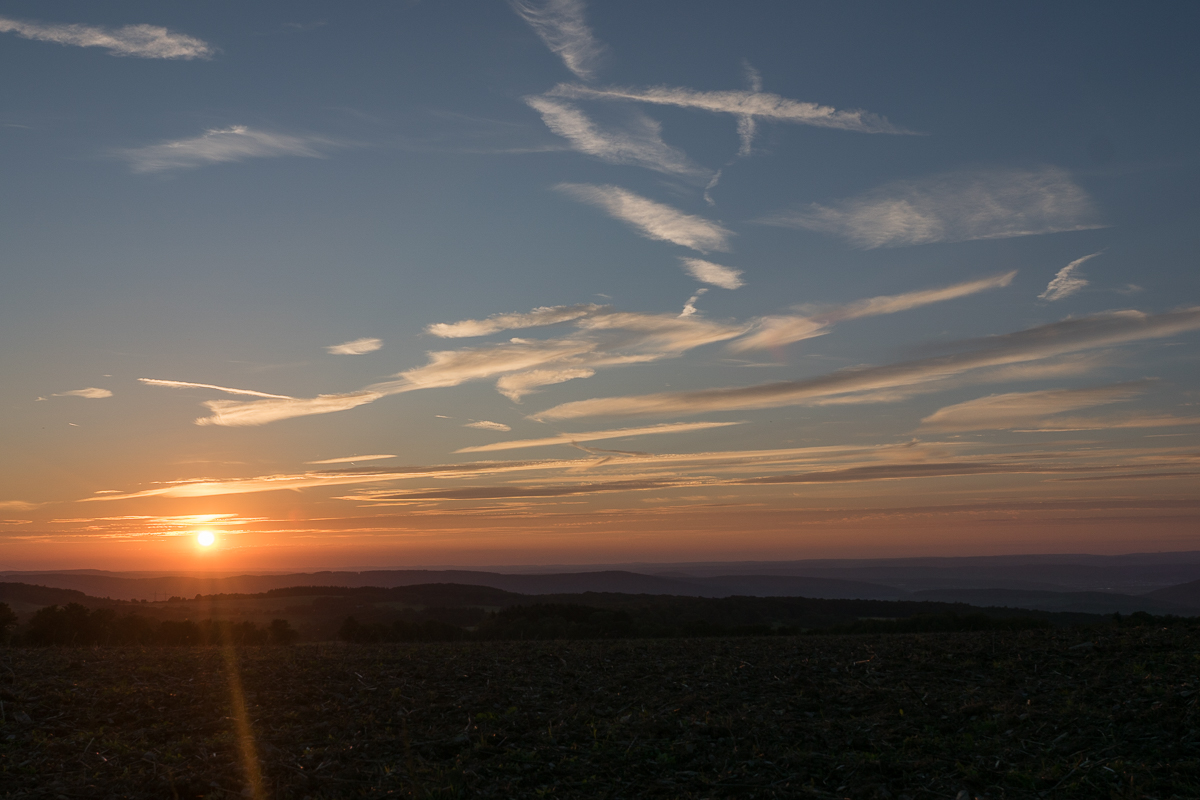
[{"x": 1008, "y": 715}]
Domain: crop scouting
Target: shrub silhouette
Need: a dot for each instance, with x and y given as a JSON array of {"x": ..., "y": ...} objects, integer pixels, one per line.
[
  {"x": 282, "y": 632},
  {"x": 74, "y": 625},
  {"x": 8, "y": 621}
]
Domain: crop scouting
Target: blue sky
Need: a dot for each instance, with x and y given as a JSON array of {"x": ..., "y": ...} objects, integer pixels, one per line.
[{"x": 771, "y": 277}]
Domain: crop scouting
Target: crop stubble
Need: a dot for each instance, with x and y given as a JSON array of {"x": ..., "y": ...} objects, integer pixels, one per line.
[{"x": 1006, "y": 715}]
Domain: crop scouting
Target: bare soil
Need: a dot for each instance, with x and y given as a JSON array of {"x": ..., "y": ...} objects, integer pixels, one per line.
[{"x": 1102, "y": 713}]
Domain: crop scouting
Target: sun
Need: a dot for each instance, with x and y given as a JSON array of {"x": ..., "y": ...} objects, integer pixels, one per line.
[{"x": 205, "y": 538}]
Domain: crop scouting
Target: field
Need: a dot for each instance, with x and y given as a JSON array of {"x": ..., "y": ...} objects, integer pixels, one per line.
[{"x": 1102, "y": 713}]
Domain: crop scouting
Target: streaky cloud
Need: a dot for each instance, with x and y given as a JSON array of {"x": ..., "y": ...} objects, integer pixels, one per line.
[
  {"x": 561, "y": 25},
  {"x": 17, "y": 505},
  {"x": 1023, "y": 409},
  {"x": 226, "y": 389},
  {"x": 891, "y": 304},
  {"x": 90, "y": 393},
  {"x": 742, "y": 104},
  {"x": 714, "y": 274},
  {"x": 355, "y": 348},
  {"x": 1066, "y": 281},
  {"x": 232, "y": 413},
  {"x": 608, "y": 339},
  {"x": 544, "y": 315},
  {"x": 1064, "y": 424},
  {"x": 776, "y": 331},
  {"x": 351, "y": 459},
  {"x": 887, "y": 472},
  {"x": 654, "y": 220},
  {"x": 689, "y": 308},
  {"x": 518, "y": 384},
  {"x": 955, "y": 207},
  {"x": 488, "y": 425},
  {"x": 349, "y": 476},
  {"x": 502, "y": 492},
  {"x": 1033, "y": 344},
  {"x": 139, "y": 41},
  {"x": 592, "y": 436},
  {"x": 639, "y": 144},
  {"x": 223, "y": 145}
]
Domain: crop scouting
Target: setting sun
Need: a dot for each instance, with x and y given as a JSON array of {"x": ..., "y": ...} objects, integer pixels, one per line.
[{"x": 205, "y": 538}]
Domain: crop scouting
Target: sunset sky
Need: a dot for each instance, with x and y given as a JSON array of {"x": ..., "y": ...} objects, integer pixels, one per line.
[{"x": 484, "y": 283}]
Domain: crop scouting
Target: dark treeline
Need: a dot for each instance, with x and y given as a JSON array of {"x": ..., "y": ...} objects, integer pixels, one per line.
[
  {"x": 550, "y": 621},
  {"x": 76, "y": 625},
  {"x": 938, "y": 623},
  {"x": 448, "y": 613}
]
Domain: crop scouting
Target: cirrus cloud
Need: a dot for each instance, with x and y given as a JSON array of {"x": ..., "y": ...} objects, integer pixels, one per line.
[
  {"x": 355, "y": 348},
  {"x": 1033, "y": 344},
  {"x": 1067, "y": 281},
  {"x": 222, "y": 145},
  {"x": 654, "y": 220},
  {"x": 715, "y": 274},
  {"x": 560, "y": 24},
  {"x": 742, "y": 104},
  {"x": 639, "y": 143},
  {"x": 140, "y": 41},
  {"x": 956, "y": 207},
  {"x": 90, "y": 393}
]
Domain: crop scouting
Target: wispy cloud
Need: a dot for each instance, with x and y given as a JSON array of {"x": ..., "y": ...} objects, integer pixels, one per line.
[
  {"x": 631, "y": 471},
  {"x": 891, "y": 304},
  {"x": 90, "y": 393},
  {"x": 355, "y": 348},
  {"x": 1067, "y": 281},
  {"x": 218, "y": 146},
  {"x": 746, "y": 125},
  {"x": 501, "y": 492},
  {"x": 886, "y": 472},
  {"x": 1111, "y": 422},
  {"x": 545, "y": 315},
  {"x": 1044, "y": 341},
  {"x": 715, "y": 274},
  {"x": 601, "y": 340},
  {"x": 956, "y": 207},
  {"x": 689, "y": 308},
  {"x": 561, "y": 25},
  {"x": 351, "y": 459},
  {"x": 742, "y": 104},
  {"x": 308, "y": 480},
  {"x": 16, "y": 505},
  {"x": 654, "y": 220},
  {"x": 775, "y": 331},
  {"x": 141, "y": 41},
  {"x": 227, "y": 390},
  {"x": 1024, "y": 409},
  {"x": 233, "y": 413},
  {"x": 487, "y": 425},
  {"x": 592, "y": 436},
  {"x": 640, "y": 143},
  {"x": 518, "y": 384}
]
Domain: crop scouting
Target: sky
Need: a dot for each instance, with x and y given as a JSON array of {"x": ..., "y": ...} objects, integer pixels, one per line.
[{"x": 555, "y": 282}]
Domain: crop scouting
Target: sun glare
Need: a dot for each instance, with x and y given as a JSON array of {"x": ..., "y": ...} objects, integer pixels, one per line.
[{"x": 205, "y": 538}]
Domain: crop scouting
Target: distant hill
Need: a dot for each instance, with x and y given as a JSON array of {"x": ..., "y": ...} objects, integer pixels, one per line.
[
  {"x": 162, "y": 588},
  {"x": 1077, "y": 602},
  {"x": 1151, "y": 582},
  {"x": 1186, "y": 594},
  {"x": 22, "y": 597}
]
